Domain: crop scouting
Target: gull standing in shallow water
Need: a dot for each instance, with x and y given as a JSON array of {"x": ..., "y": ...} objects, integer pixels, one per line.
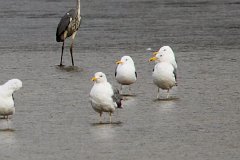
[
  {"x": 165, "y": 54},
  {"x": 163, "y": 75},
  {"x": 125, "y": 72},
  {"x": 103, "y": 97},
  {"x": 6, "y": 97}
]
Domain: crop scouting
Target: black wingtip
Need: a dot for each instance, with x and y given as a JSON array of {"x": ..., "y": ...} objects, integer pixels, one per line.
[
  {"x": 59, "y": 38},
  {"x": 119, "y": 105}
]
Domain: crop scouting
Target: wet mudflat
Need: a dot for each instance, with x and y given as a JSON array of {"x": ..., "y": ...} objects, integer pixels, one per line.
[{"x": 54, "y": 119}]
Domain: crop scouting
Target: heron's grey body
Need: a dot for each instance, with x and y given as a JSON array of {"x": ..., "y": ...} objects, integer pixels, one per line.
[{"x": 67, "y": 27}]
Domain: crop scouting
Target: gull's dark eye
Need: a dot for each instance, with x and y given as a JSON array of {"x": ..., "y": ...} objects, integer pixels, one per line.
[
  {"x": 100, "y": 76},
  {"x": 126, "y": 59},
  {"x": 160, "y": 55},
  {"x": 164, "y": 50}
]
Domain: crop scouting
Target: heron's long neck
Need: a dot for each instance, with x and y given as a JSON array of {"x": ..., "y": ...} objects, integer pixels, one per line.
[{"x": 78, "y": 6}]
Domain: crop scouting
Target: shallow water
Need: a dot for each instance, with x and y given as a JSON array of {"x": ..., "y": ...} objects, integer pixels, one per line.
[{"x": 54, "y": 119}]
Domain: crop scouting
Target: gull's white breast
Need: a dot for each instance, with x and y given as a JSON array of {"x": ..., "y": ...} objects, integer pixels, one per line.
[
  {"x": 163, "y": 75},
  {"x": 126, "y": 74}
]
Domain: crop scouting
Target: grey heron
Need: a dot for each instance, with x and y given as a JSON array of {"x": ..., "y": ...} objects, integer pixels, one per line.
[{"x": 67, "y": 27}]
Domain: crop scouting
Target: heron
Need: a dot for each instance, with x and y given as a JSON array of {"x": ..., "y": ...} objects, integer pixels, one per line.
[{"x": 68, "y": 27}]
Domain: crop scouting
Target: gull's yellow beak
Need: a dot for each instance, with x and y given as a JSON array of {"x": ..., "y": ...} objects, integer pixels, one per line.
[
  {"x": 154, "y": 53},
  {"x": 119, "y": 62},
  {"x": 153, "y": 59},
  {"x": 94, "y": 79}
]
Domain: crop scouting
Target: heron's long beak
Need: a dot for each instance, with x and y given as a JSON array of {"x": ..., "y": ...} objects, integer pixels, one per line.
[
  {"x": 94, "y": 79},
  {"x": 155, "y": 53},
  {"x": 119, "y": 62},
  {"x": 153, "y": 59}
]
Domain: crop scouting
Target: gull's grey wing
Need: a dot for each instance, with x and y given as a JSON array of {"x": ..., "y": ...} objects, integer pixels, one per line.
[
  {"x": 117, "y": 98},
  {"x": 63, "y": 24}
]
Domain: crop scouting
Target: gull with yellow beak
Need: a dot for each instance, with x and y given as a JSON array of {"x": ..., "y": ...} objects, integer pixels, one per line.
[
  {"x": 125, "y": 72},
  {"x": 103, "y": 97},
  {"x": 165, "y": 54},
  {"x": 163, "y": 75}
]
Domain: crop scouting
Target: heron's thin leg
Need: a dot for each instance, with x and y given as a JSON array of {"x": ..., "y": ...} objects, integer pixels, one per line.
[
  {"x": 71, "y": 47},
  {"x": 62, "y": 53},
  {"x": 71, "y": 53}
]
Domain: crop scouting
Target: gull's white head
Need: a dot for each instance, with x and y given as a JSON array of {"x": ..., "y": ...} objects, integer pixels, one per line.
[
  {"x": 99, "y": 77},
  {"x": 165, "y": 49},
  {"x": 13, "y": 84},
  {"x": 125, "y": 60},
  {"x": 165, "y": 54}
]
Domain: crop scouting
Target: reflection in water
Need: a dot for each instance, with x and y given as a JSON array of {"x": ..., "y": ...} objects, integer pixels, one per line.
[
  {"x": 7, "y": 130},
  {"x": 128, "y": 97},
  {"x": 129, "y": 100},
  {"x": 6, "y": 125},
  {"x": 69, "y": 68},
  {"x": 167, "y": 99},
  {"x": 7, "y": 136},
  {"x": 166, "y": 104},
  {"x": 104, "y": 130},
  {"x": 118, "y": 123}
]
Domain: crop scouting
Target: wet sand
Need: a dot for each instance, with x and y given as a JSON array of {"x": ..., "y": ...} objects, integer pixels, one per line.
[{"x": 54, "y": 119}]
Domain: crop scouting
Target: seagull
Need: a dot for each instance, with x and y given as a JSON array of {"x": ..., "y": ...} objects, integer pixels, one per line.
[
  {"x": 103, "y": 97},
  {"x": 163, "y": 75},
  {"x": 125, "y": 72},
  {"x": 165, "y": 54},
  {"x": 7, "y": 107}
]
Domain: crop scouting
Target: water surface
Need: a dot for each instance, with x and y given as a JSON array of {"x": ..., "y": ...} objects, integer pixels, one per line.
[{"x": 54, "y": 119}]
